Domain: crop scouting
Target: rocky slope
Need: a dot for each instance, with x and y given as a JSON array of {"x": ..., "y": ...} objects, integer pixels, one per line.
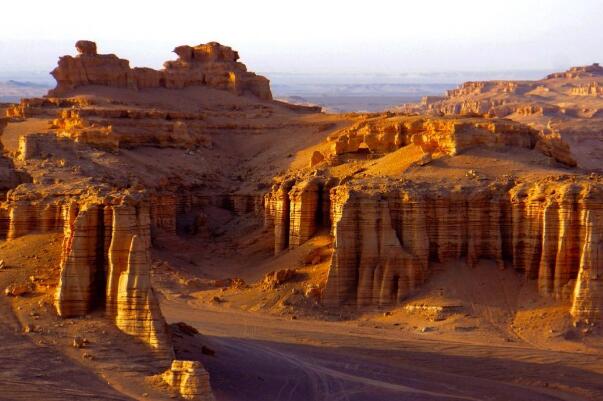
[{"x": 565, "y": 108}]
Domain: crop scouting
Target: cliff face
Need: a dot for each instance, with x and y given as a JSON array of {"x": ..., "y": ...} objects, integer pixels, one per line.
[
  {"x": 446, "y": 135},
  {"x": 106, "y": 264},
  {"x": 137, "y": 308},
  {"x": 385, "y": 241},
  {"x": 210, "y": 64},
  {"x": 297, "y": 210},
  {"x": 369, "y": 266}
]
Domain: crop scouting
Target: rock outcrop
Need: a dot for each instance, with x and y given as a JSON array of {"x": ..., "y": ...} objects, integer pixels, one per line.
[
  {"x": 81, "y": 283},
  {"x": 386, "y": 241},
  {"x": 565, "y": 109},
  {"x": 189, "y": 380},
  {"x": 211, "y": 65},
  {"x": 297, "y": 210},
  {"x": 126, "y": 128},
  {"x": 106, "y": 264},
  {"x": 578, "y": 72},
  {"x": 445, "y": 135},
  {"x": 24, "y": 216},
  {"x": 138, "y": 312},
  {"x": 589, "y": 89}
]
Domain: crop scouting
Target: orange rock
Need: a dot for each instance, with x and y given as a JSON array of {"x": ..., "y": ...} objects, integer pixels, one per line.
[
  {"x": 384, "y": 246},
  {"x": 189, "y": 379},
  {"x": 208, "y": 64},
  {"x": 276, "y": 278},
  {"x": 317, "y": 157},
  {"x": 17, "y": 289}
]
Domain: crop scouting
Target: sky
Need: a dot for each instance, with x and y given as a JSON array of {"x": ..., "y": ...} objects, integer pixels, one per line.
[{"x": 314, "y": 37}]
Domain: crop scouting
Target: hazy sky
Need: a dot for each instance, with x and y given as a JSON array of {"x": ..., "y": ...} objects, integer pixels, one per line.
[{"x": 315, "y": 36}]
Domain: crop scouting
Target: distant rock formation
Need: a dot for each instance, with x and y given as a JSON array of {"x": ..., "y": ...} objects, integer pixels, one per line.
[
  {"x": 211, "y": 65},
  {"x": 589, "y": 89},
  {"x": 578, "y": 72},
  {"x": 446, "y": 135},
  {"x": 555, "y": 107}
]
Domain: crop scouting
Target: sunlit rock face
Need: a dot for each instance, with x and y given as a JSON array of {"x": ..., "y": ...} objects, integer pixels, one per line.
[
  {"x": 564, "y": 108},
  {"x": 447, "y": 135},
  {"x": 189, "y": 379},
  {"x": 210, "y": 64},
  {"x": 106, "y": 264},
  {"x": 386, "y": 239},
  {"x": 9, "y": 178},
  {"x": 80, "y": 286},
  {"x": 297, "y": 210}
]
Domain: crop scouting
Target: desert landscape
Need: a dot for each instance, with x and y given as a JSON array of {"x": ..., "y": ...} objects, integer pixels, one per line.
[{"x": 183, "y": 233}]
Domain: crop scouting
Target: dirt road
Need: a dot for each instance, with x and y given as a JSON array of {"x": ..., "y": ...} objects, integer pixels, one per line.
[{"x": 262, "y": 357}]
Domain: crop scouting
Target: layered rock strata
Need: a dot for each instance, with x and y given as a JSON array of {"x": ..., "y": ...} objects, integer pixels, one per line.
[
  {"x": 386, "y": 241},
  {"x": 297, "y": 210},
  {"x": 450, "y": 136},
  {"x": 43, "y": 107},
  {"x": 128, "y": 128},
  {"x": 137, "y": 309},
  {"x": 106, "y": 264},
  {"x": 210, "y": 64},
  {"x": 189, "y": 379},
  {"x": 20, "y": 217}
]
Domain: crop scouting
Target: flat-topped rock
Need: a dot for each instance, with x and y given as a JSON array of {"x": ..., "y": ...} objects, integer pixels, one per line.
[{"x": 211, "y": 64}]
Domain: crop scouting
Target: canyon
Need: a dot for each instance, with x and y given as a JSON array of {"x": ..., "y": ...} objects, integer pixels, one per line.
[{"x": 179, "y": 233}]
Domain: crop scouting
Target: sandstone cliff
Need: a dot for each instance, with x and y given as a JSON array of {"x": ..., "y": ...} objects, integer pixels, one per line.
[
  {"x": 106, "y": 264},
  {"x": 210, "y": 64},
  {"x": 297, "y": 211},
  {"x": 386, "y": 241},
  {"x": 138, "y": 312},
  {"x": 387, "y": 236}
]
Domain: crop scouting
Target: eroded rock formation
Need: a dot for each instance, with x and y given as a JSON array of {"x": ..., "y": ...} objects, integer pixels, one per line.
[
  {"x": 297, "y": 210},
  {"x": 578, "y": 72},
  {"x": 385, "y": 241},
  {"x": 137, "y": 309},
  {"x": 189, "y": 379},
  {"x": 106, "y": 263},
  {"x": 210, "y": 64},
  {"x": 554, "y": 107},
  {"x": 127, "y": 128},
  {"x": 446, "y": 135}
]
